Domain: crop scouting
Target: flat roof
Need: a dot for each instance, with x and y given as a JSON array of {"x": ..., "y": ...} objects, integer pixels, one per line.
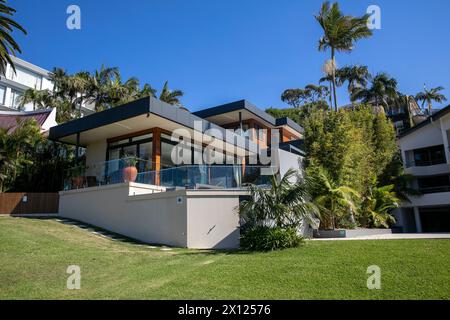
[
  {"x": 142, "y": 108},
  {"x": 428, "y": 121},
  {"x": 246, "y": 105}
]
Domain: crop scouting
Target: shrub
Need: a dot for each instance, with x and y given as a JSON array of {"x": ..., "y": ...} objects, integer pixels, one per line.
[{"x": 261, "y": 238}]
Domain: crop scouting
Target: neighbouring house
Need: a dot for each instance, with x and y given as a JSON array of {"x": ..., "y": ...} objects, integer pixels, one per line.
[
  {"x": 27, "y": 76},
  {"x": 45, "y": 118},
  {"x": 177, "y": 194},
  {"x": 426, "y": 156}
]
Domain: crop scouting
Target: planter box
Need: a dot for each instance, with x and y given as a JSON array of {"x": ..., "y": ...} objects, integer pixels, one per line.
[{"x": 326, "y": 234}]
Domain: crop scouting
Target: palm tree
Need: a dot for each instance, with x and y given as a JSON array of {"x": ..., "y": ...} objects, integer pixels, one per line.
[
  {"x": 340, "y": 34},
  {"x": 356, "y": 76},
  {"x": 428, "y": 96},
  {"x": 170, "y": 96},
  {"x": 333, "y": 200},
  {"x": 7, "y": 44},
  {"x": 285, "y": 203},
  {"x": 100, "y": 82},
  {"x": 147, "y": 91},
  {"x": 382, "y": 92},
  {"x": 378, "y": 206}
]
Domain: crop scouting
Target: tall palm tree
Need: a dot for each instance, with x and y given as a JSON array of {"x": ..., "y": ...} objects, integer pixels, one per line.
[
  {"x": 147, "y": 91},
  {"x": 340, "y": 34},
  {"x": 356, "y": 77},
  {"x": 428, "y": 96},
  {"x": 382, "y": 91},
  {"x": 98, "y": 92},
  {"x": 7, "y": 43},
  {"x": 285, "y": 203},
  {"x": 334, "y": 201},
  {"x": 170, "y": 96}
]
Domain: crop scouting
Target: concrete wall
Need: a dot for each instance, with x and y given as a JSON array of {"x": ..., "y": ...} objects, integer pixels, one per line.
[
  {"x": 195, "y": 219},
  {"x": 213, "y": 220},
  {"x": 288, "y": 161}
]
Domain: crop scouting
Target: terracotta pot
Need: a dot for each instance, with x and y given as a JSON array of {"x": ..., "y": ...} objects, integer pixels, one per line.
[
  {"x": 129, "y": 174},
  {"x": 77, "y": 182}
]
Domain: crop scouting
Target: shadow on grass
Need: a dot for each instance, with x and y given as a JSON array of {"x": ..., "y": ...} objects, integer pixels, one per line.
[{"x": 127, "y": 240}]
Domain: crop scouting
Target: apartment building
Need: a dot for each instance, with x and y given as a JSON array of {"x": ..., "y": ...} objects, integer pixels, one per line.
[
  {"x": 14, "y": 84},
  {"x": 426, "y": 156}
]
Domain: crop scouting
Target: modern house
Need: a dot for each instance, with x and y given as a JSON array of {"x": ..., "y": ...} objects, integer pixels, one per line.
[
  {"x": 426, "y": 156},
  {"x": 190, "y": 169}
]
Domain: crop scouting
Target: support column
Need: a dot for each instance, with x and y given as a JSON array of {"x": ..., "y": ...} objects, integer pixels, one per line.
[
  {"x": 417, "y": 218},
  {"x": 156, "y": 155},
  {"x": 77, "y": 148}
]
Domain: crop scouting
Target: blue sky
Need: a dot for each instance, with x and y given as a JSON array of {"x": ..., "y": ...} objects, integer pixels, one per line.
[{"x": 219, "y": 51}]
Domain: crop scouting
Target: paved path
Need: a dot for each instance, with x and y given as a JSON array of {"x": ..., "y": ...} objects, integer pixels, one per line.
[{"x": 394, "y": 236}]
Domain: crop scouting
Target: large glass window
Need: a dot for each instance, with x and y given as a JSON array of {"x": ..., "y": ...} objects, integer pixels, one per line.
[
  {"x": 429, "y": 156},
  {"x": 139, "y": 146}
]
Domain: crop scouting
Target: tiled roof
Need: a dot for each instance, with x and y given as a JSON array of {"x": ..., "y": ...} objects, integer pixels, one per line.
[{"x": 8, "y": 119}]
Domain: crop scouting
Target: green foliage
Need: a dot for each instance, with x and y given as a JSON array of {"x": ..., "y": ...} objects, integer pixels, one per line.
[
  {"x": 340, "y": 33},
  {"x": 377, "y": 206},
  {"x": 337, "y": 203},
  {"x": 355, "y": 148},
  {"x": 16, "y": 147},
  {"x": 262, "y": 238},
  {"x": 31, "y": 163},
  {"x": 101, "y": 89},
  {"x": 8, "y": 46},
  {"x": 298, "y": 114},
  {"x": 285, "y": 203},
  {"x": 428, "y": 96}
]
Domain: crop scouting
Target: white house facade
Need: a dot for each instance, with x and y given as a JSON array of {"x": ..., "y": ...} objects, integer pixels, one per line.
[{"x": 426, "y": 156}]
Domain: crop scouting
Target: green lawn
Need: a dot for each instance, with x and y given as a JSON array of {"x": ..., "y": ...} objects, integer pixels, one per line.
[{"x": 34, "y": 255}]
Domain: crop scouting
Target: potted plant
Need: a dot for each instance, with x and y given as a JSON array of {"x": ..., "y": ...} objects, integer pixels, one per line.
[
  {"x": 77, "y": 177},
  {"x": 129, "y": 172}
]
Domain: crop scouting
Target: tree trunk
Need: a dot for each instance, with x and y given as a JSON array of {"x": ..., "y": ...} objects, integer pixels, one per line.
[{"x": 334, "y": 80}]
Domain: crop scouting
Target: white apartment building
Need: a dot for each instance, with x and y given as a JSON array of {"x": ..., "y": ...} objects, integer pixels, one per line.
[
  {"x": 14, "y": 84},
  {"x": 426, "y": 156},
  {"x": 27, "y": 76}
]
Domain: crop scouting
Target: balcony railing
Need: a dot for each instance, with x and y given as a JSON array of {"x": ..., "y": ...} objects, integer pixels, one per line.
[
  {"x": 105, "y": 173},
  {"x": 424, "y": 163},
  {"x": 430, "y": 190},
  {"x": 188, "y": 176}
]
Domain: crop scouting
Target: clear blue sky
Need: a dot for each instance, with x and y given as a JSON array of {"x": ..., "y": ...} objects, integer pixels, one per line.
[{"x": 219, "y": 51}]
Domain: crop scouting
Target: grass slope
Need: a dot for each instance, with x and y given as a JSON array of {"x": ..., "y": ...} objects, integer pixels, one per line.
[{"x": 34, "y": 256}]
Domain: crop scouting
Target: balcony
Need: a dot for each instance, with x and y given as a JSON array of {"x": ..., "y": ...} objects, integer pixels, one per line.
[{"x": 187, "y": 176}]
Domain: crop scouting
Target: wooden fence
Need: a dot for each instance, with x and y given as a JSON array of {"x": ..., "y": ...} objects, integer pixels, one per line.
[{"x": 28, "y": 203}]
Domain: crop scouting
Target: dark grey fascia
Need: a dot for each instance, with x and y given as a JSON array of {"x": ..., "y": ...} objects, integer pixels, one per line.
[
  {"x": 246, "y": 105},
  {"x": 148, "y": 105},
  {"x": 285, "y": 121}
]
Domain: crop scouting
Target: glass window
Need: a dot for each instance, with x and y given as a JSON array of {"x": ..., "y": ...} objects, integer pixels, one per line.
[
  {"x": 145, "y": 153},
  {"x": 166, "y": 155},
  {"x": 143, "y": 137},
  {"x": 2, "y": 94},
  {"x": 15, "y": 99},
  {"x": 429, "y": 156}
]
